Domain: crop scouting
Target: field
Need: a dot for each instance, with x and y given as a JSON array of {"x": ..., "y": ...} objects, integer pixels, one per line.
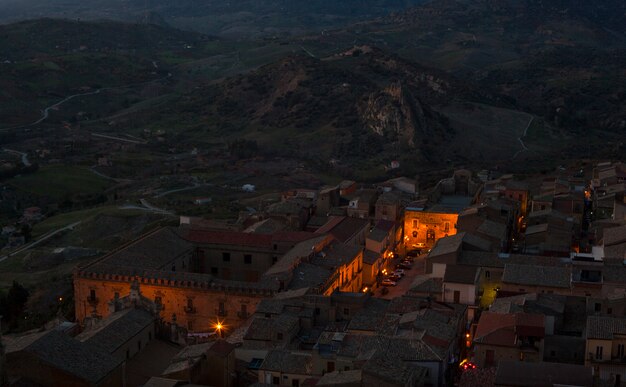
[{"x": 60, "y": 181}]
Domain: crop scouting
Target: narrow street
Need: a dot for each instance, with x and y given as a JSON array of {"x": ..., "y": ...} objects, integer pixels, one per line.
[{"x": 404, "y": 284}]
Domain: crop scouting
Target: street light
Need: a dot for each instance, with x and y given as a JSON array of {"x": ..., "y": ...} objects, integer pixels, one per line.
[{"x": 219, "y": 327}]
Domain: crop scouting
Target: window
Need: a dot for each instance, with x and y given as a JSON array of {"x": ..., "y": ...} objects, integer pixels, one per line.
[
  {"x": 190, "y": 326},
  {"x": 599, "y": 353},
  {"x": 274, "y": 259},
  {"x": 276, "y": 380},
  {"x": 317, "y": 311},
  {"x": 244, "y": 309},
  {"x": 279, "y": 336},
  {"x": 346, "y": 311},
  {"x": 157, "y": 300},
  {"x": 247, "y": 259},
  {"x": 487, "y": 274},
  {"x": 127, "y": 354},
  {"x": 446, "y": 227},
  {"x": 414, "y": 234},
  {"x": 222, "y": 309},
  {"x": 553, "y": 353},
  {"x": 149, "y": 336},
  {"x": 214, "y": 270},
  {"x": 597, "y": 307},
  {"x": 116, "y": 295},
  {"x": 226, "y": 257},
  {"x": 330, "y": 366},
  {"x": 609, "y": 310},
  {"x": 295, "y": 383},
  {"x": 346, "y": 368},
  {"x": 189, "y": 303},
  {"x": 92, "y": 294},
  {"x": 275, "y": 246},
  {"x": 620, "y": 350},
  {"x": 173, "y": 267},
  {"x": 139, "y": 346}
]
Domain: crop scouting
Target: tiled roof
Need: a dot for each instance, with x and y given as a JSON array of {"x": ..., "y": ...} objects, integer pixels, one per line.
[
  {"x": 70, "y": 355},
  {"x": 287, "y": 362},
  {"x": 371, "y": 317},
  {"x": 152, "y": 251},
  {"x": 493, "y": 229},
  {"x": 262, "y": 328},
  {"x": 229, "y": 238},
  {"x": 348, "y": 228},
  {"x": 538, "y": 228},
  {"x": 331, "y": 222},
  {"x": 370, "y": 257},
  {"x": 602, "y": 327},
  {"x": 337, "y": 254},
  {"x": 614, "y": 235},
  {"x": 342, "y": 378},
  {"x": 385, "y": 225},
  {"x": 501, "y": 329},
  {"x": 534, "y": 275},
  {"x": 306, "y": 275},
  {"x": 461, "y": 274},
  {"x": 392, "y": 371},
  {"x": 377, "y": 235},
  {"x": 117, "y": 329},
  {"x": 426, "y": 284}
]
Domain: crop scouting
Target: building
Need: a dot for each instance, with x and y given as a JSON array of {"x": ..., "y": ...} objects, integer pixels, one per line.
[
  {"x": 514, "y": 336},
  {"x": 196, "y": 276},
  {"x": 604, "y": 351},
  {"x": 211, "y": 363},
  {"x": 526, "y": 374}
]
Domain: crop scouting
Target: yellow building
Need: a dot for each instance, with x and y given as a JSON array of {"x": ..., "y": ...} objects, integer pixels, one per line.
[{"x": 422, "y": 228}]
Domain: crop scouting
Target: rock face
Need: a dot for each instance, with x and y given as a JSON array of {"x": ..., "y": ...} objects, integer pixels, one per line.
[{"x": 396, "y": 114}]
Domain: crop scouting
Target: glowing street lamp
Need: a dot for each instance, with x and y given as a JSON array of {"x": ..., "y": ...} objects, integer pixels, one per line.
[{"x": 219, "y": 327}]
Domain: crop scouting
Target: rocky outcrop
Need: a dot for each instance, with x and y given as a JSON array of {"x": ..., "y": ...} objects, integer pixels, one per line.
[{"x": 394, "y": 113}]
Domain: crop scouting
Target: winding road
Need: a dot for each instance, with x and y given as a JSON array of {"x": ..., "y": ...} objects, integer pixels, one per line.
[
  {"x": 521, "y": 141},
  {"x": 43, "y": 238},
  {"x": 45, "y": 113}
]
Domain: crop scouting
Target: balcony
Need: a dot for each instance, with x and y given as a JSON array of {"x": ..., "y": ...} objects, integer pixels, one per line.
[{"x": 190, "y": 309}]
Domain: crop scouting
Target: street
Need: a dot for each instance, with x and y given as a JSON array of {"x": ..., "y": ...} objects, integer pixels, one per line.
[{"x": 404, "y": 284}]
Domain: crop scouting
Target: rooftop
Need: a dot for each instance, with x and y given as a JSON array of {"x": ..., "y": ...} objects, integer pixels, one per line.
[
  {"x": 461, "y": 274},
  {"x": 67, "y": 354},
  {"x": 288, "y": 362},
  {"x": 502, "y": 328},
  {"x": 117, "y": 329},
  {"x": 604, "y": 327},
  {"x": 534, "y": 275}
]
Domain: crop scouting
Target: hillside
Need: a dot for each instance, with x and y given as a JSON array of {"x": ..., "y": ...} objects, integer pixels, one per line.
[
  {"x": 563, "y": 60},
  {"x": 362, "y": 107},
  {"x": 241, "y": 19},
  {"x": 38, "y": 69}
]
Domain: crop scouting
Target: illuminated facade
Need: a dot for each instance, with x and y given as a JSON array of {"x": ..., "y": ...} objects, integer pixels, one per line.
[{"x": 423, "y": 228}]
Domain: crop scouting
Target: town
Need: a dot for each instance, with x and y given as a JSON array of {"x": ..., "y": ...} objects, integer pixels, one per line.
[{"x": 483, "y": 279}]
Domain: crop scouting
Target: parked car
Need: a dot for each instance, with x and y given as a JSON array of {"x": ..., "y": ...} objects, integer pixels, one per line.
[
  {"x": 413, "y": 253},
  {"x": 399, "y": 272},
  {"x": 388, "y": 282},
  {"x": 404, "y": 265},
  {"x": 394, "y": 277}
]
